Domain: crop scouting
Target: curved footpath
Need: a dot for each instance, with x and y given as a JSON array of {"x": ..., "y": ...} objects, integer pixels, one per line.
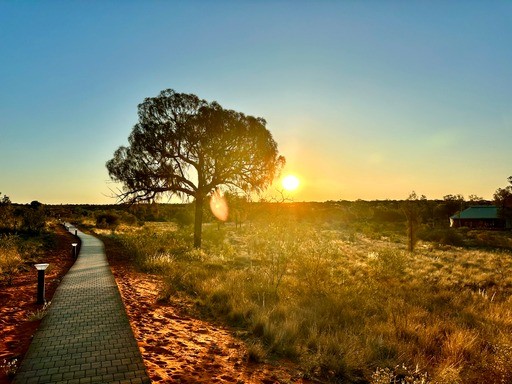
[{"x": 86, "y": 336}]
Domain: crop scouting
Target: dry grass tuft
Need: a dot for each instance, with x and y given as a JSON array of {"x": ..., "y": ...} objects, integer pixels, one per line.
[
  {"x": 348, "y": 307},
  {"x": 10, "y": 258}
]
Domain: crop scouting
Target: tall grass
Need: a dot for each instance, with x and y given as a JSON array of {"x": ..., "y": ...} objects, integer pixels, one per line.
[
  {"x": 10, "y": 257},
  {"x": 349, "y": 308}
]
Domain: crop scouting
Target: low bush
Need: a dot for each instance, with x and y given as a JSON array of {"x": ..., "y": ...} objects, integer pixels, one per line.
[
  {"x": 444, "y": 236},
  {"x": 34, "y": 218},
  {"x": 113, "y": 218},
  {"x": 107, "y": 220},
  {"x": 490, "y": 239}
]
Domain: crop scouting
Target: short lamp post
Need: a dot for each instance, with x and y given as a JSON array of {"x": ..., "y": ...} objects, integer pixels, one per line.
[
  {"x": 40, "y": 282},
  {"x": 74, "y": 249}
]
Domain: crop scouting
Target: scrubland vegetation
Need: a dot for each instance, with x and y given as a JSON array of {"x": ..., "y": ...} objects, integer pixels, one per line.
[
  {"x": 329, "y": 285},
  {"x": 338, "y": 292},
  {"x": 355, "y": 292},
  {"x": 23, "y": 237},
  {"x": 19, "y": 253}
]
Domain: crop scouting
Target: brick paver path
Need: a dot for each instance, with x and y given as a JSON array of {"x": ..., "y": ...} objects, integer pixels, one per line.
[{"x": 86, "y": 336}]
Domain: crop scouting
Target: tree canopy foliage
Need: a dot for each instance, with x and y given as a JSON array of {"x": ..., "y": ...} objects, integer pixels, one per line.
[
  {"x": 503, "y": 199},
  {"x": 183, "y": 145},
  {"x": 14, "y": 218}
]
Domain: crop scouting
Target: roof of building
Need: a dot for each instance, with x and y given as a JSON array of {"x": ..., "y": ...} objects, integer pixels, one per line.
[{"x": 478, "y": 212}]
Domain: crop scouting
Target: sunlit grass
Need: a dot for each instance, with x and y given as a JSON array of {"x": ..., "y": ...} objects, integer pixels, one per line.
[
  {"x": 347, "y": 305},
  {"x": 10, "y": 257}
]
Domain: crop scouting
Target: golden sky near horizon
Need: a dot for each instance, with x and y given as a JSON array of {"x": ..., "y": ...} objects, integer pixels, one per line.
[{"x": 366, "y": 100}]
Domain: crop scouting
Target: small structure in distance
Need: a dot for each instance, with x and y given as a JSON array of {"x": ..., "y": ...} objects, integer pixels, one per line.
[{"x": 480, "y": 217}]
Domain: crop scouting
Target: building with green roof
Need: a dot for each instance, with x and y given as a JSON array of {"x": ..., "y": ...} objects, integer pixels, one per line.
[{"x": 481, "y": 217}]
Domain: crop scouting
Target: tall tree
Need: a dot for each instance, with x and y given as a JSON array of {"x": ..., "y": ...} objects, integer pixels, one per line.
[
  {"x": 503, "y": 200},
  {"x": 451, "y": 204},
  {"x": 412, "y": 208},
  {"x": 186, "y": 146},
  {"x": 7, "y": 219}
]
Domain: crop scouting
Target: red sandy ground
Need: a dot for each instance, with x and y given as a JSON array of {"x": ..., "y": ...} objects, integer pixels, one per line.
[
  {"x": 18, "y": 301},
  {"x": 178, "y": 348}
]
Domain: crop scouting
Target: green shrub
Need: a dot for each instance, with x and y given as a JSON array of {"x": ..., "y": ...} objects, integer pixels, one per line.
[
  {"x": 107, "y": 220},
  {"x": 34, "y": 218}
]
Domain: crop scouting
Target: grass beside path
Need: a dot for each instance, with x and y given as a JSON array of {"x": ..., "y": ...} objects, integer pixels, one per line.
[
  {"x": 347, "y": 307},
  {"x": 20, "y": 316}
]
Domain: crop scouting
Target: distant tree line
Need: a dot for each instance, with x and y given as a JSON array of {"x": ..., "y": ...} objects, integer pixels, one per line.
[
  {"x": 14, "y": 218},
  {"x": 415, "y": 212},
  {"x": 503, "y": 200},
  {"x": 434, "y": 213}
]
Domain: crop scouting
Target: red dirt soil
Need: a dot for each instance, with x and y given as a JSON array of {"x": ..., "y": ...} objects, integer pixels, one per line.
[
  {"x": 18, "y": 301},
  {"x": 176, "y": 347},
  {"x": 179, "y": 348}
]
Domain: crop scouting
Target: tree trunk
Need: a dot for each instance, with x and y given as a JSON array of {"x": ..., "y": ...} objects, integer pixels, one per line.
[{"x": 198, "y": 222}]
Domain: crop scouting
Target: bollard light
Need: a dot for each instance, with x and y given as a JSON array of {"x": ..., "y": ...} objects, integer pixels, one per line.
[
  {"x": 74, "y": 249},
  {"x": 76, "y": 232},
  {"x": 40, "y": 282}
]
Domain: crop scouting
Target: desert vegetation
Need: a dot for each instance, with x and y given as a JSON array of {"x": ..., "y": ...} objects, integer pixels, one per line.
[
  {"x": 28, "y": 235},
  {"x": 334, "y": 287},
  {"x": 338, "y": 287},
  {"x": 23, "y": 237},
  {"x": 29, "y": 219}
]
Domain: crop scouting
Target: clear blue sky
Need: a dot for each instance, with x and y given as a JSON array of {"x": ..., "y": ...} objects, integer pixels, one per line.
[{"x": 366, "y": 99}]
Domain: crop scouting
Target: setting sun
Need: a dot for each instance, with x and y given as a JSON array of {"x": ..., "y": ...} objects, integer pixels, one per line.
[{"x": 290, "y": 182}]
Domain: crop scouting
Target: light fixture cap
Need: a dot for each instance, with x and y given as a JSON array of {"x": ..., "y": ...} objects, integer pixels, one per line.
[
  {"x": 41, "y": 267},
  {"x": 74, "y": 244}
]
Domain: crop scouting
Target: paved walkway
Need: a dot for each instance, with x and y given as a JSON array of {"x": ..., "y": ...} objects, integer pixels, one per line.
[{"x": 86, "y": 336}]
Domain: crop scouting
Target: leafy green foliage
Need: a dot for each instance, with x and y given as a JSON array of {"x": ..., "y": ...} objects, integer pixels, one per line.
[
  {"x": 503, "y": 200},
  {"x": 34, "y": 218}
]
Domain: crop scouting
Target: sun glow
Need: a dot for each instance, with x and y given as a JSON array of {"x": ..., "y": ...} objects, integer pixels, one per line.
[{"x": 290, "y": 182}]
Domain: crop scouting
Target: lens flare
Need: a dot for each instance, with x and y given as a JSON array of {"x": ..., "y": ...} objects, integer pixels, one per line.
[{"x": 219, "y": 205}]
